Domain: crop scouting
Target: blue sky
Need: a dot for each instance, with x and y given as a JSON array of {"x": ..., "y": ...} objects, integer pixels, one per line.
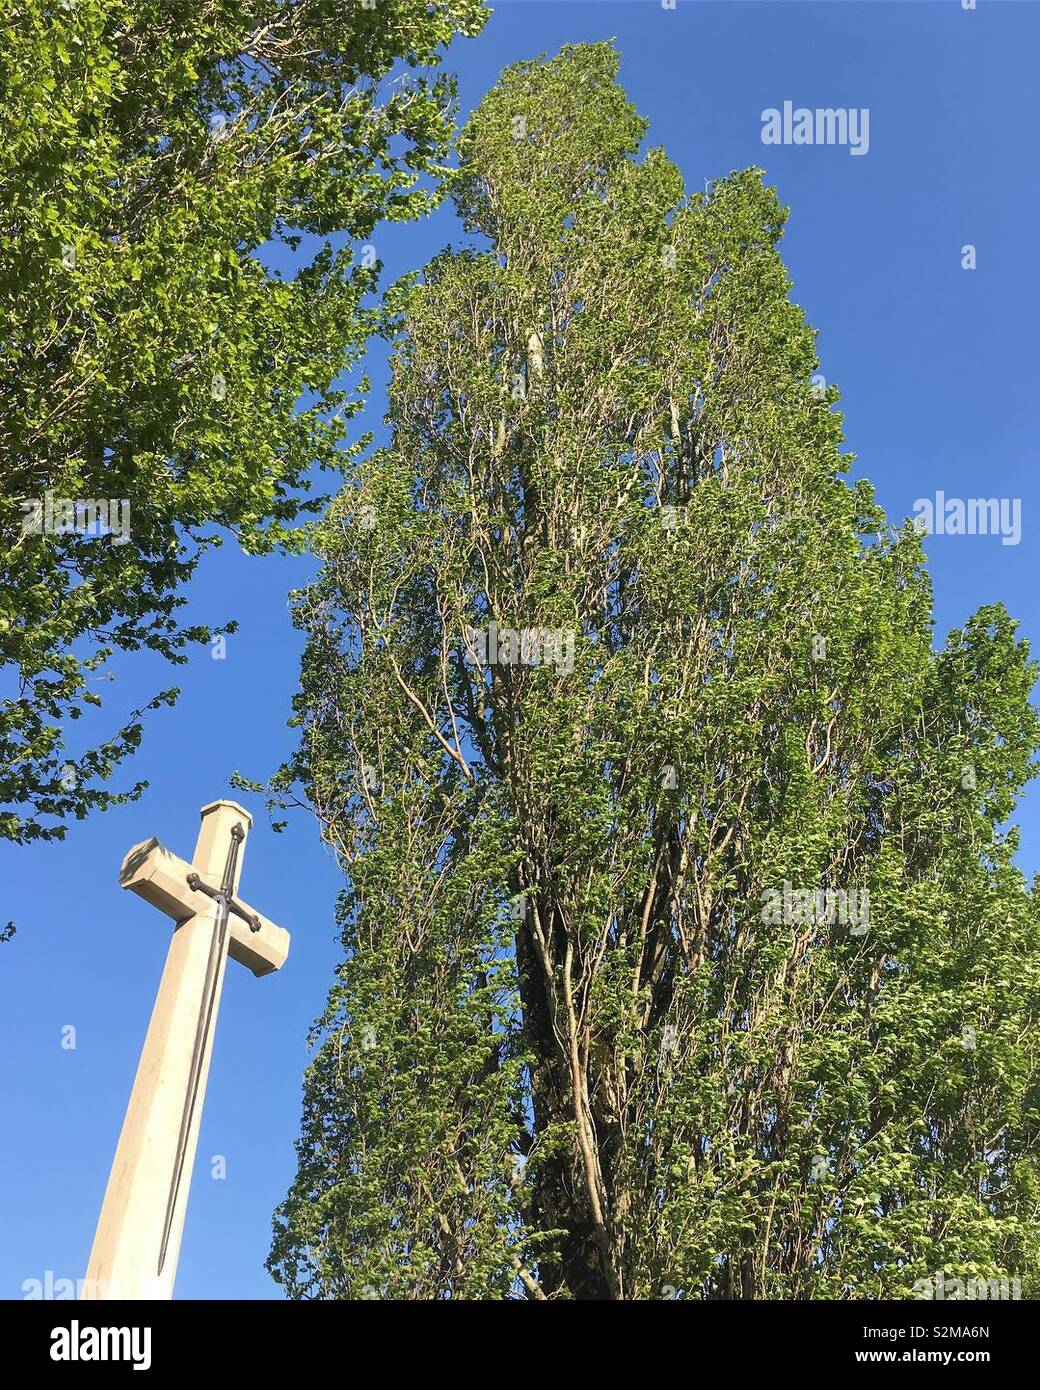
[{"x": 937, "y": 367}]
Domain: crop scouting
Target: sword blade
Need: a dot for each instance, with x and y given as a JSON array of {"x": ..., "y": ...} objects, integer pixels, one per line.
[{"x": 218, "y": 942}]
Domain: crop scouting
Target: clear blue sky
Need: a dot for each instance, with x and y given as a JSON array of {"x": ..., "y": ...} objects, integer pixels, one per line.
[{"x": 938, "y": 371}]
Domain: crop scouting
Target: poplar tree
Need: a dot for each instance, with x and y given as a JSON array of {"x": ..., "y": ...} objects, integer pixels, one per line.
[
  {"x": 175, "y": 316},
  {"x": 689, "y": 960}
]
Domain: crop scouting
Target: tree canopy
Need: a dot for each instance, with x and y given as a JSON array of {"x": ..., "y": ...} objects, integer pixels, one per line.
[
  {"x": 158, "y": 162},
  {"x": 685, "y": 955}
]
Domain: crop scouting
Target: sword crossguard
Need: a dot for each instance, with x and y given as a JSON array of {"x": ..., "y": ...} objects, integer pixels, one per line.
[{"x": 225, "y": 900}]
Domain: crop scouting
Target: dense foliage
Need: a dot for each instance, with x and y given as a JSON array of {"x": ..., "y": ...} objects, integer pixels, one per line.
[
  {"x": 595, "y": 1035},
  {"x": 158, "y": 163}
]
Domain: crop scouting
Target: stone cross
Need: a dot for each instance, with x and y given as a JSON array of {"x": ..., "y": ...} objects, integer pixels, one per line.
[{"x": 138, "y": 1236}]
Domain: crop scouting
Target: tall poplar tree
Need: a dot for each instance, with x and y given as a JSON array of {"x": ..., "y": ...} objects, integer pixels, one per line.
[
  {"x": 685, "y": 955},
  {"x": 174, "y": 316}
]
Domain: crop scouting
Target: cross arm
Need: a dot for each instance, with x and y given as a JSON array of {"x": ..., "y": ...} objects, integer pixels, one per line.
[{"x": 161, "y": 878}]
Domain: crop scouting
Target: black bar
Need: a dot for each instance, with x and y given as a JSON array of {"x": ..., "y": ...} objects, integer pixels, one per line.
[{"x": 696, "y": 1340}]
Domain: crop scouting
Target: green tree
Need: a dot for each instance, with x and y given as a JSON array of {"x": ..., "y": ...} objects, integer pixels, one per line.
[
  {"x": 595, "y": 1034},
  {"x": 157, "y": 161}
]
